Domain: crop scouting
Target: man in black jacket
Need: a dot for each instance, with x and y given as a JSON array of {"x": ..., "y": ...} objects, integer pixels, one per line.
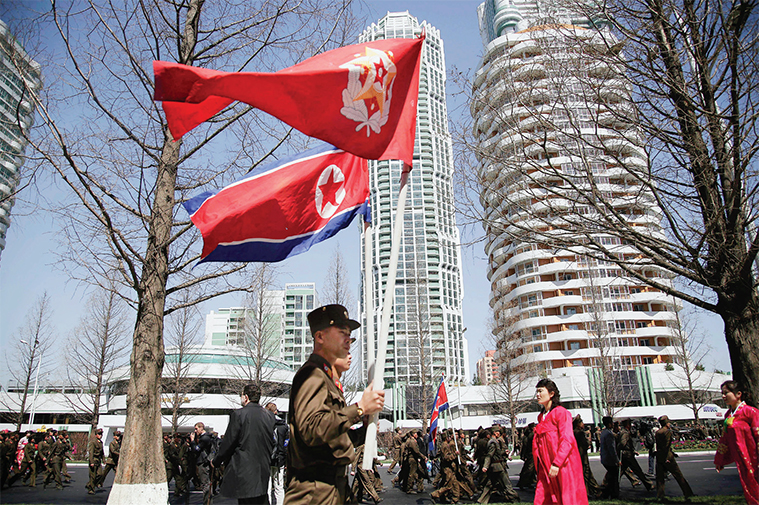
[
  {"x": 247, "y": 449},
  {"x": 279, "y": 458},
  {"x": 201, "y": 444}
]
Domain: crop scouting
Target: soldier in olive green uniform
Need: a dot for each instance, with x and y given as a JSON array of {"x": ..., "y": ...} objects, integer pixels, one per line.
[
  {"x": 414, "y": 458},
  {"x": 450, "y": 489},
  {"x": 43, "y": 454},
  {"x": 320, "y": 448},
  {"x": 28, "y": 462},
  {"x": 95, "y": 453},
  {"x": 114, "y": 449},
  {"x": 397, "y": 443},
  {"x": 55, "y": 461},
  {"x": 495, "y": 467},
  {"x": 180, "y": 466}
]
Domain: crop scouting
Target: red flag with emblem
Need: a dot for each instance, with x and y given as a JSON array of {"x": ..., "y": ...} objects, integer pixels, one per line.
[{"x": 360, "y": 98}]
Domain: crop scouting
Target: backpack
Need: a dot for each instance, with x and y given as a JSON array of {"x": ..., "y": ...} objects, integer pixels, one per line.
[{"x": 281, "y": 441}]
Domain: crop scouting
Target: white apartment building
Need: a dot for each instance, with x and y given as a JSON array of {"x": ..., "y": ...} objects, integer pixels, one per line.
[
  {"x": 286, "y": 327},
  {"x": 20, "y": 76},
  {"x": 427, "y": 306},
  {"x": 551, "y": 120}
]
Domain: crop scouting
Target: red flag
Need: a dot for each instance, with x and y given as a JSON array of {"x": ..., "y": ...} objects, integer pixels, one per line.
[{"x": 360, "y": 98}]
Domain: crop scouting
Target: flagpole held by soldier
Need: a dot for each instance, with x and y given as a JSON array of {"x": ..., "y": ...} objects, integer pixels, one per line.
[{"x": 320, "y": 449}]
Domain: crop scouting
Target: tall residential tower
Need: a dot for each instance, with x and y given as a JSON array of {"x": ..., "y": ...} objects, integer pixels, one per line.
[
  {"x": 426, "y": 331},
  {"x": 556, "y": 130},
  {"x": 20, "y": 77}
]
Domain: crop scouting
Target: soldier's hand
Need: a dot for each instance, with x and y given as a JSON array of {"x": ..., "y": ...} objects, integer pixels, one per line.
[{"x": 372, "y": 401}]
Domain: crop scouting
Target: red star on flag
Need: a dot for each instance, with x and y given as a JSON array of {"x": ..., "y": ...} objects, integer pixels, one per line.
[{"x": 329, "y": 190}]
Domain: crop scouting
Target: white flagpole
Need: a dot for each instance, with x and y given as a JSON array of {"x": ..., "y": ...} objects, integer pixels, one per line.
[{"x": 378, "y": 377}]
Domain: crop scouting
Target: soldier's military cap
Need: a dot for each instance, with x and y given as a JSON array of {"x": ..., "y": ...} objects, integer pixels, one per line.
[{"x": 330, "y": 315}]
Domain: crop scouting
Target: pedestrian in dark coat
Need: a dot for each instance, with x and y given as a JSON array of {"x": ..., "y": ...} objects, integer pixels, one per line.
[{"x": 246, "y": 449}]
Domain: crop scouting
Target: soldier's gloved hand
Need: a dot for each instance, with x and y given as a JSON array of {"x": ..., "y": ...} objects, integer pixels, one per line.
[{"x": 372, "y": 401}]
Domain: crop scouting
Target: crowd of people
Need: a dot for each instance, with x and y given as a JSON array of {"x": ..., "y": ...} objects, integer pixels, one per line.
[{"x": 262, "y": 459}]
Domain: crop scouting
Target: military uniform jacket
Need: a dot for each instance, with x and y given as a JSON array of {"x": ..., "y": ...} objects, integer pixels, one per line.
[
  {"x": 113, "y": 452},
  {"x": 664, "y": 445},
  {"x": 493, "y": 460},
  {"x": 58, "y": 452},
  {"x": 626, "y": 446},
  {"x": 411, "y": 449},
  {"x": 95, "y": 451},
  {"x": 30, "y": 452},
  {"x": 319, "y": 419},
  {"x": 447, "y": 454},
  {"x": 45, "y": 448}
]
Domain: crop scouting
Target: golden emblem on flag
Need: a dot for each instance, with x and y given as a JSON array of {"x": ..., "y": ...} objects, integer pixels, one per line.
[{"x": 367, "y": 98}]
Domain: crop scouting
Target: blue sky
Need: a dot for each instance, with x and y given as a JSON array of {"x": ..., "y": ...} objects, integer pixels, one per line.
[{"x": 27, "y": 267}]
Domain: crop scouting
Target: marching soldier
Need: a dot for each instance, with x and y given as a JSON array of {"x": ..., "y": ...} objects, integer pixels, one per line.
[
  {"x": 450, "y": 489},
  {"x": 168, "y": 456},
  {"x": 397, "y": 443},
  {"x": 28, "y": 462},
  {"x": 665, "y": 461},
  {"x": 114, "y": 448},
  {"x": 180, "y": 466},
  {"x": 363, "y": 482},
  {"x": 320, "y": 448},
  {"x": 57, "y": 455},
  {"x": 414, "y": 458},
  {"x": 528, "y": 476},
  {"x": 494, "y": 466},
  {"x": 627, "y": 454},
  {"x": 95, "y": 454}
]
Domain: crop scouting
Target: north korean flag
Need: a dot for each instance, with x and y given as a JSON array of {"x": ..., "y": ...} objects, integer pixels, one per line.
[
  {"x": 441, "y": 403},
  {"x": 360, "y": 98},
  {"x": 282, "y": 209}
]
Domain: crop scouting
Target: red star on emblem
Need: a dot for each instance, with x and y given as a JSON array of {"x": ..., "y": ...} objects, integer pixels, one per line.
[
  {"x": 379, "y": 71},
  {"x": 329, "y": 190}
]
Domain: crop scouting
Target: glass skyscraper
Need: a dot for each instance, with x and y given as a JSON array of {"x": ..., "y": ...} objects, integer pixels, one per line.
[
  {"x": 426, "y": 331},
  {"x": 20, "y": 76}
]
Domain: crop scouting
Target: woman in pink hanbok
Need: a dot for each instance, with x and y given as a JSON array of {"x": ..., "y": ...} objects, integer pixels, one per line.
[
  {"x": 738, "y": 443},
  {"x": 557, "y": 460}
]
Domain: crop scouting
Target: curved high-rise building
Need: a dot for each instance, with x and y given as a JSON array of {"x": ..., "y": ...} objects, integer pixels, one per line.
[
  {"x": 426, "y": 331},
  {"x": 20, "y": 76},
  {"x": 559, "y": 151}
]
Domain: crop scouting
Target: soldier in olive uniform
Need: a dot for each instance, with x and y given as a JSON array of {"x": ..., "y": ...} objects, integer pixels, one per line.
[
  {"x": 55, "y": 461},
  {"x": 43, "y": 454},
  {"x": 666, "y": 462},
  {"x": 320, "y": 448},
  {"x": 95, "y": 453},
  {"x": 397, "y": 443},
  {"x": 450, "y": 488},
  {"x": 180, "y": 466},
  {"x": 167, "y": 457},
  {"x": 494, "y": 466},
  {"x": 28, "y": 462},
  {"x": 414, "y": 458},
  {"x": 114, "y": 448},
  {"x": 363, "y": 482}
]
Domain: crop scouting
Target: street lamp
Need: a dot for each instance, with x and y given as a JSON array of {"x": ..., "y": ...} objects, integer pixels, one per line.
[{"x": 36, "y": 379}]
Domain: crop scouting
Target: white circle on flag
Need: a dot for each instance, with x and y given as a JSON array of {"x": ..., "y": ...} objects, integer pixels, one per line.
[{"x": 331, "y": 177}]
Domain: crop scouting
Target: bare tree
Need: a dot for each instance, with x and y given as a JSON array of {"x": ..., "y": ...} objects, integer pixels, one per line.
[
  {"x": 667, "y": 137},
  {"x": 98, "y": 345},
  {"x": 259, "y": 340},
  {"x": 515, "y": 375},
  {"x": 690, "y": 375},
  {"x": 179, "y": 378},
  {"x": 106, "y": 139},
  {"x": 336, "y": 288},
  {"x": 32, "y": 341}
]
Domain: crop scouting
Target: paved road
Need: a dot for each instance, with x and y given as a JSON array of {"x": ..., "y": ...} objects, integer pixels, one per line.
[{"x": 697, "y": 468}]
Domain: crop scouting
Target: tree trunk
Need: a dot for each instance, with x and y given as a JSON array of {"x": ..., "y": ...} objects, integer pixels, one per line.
[
  {"x": 740, "y": 314},
  {"x": 141, "y": 476}
]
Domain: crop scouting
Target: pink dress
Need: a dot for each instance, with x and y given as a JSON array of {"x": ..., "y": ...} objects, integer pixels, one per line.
[
  {"x": 554, "y": 444},
  {"x": 738, "y": 445}
]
